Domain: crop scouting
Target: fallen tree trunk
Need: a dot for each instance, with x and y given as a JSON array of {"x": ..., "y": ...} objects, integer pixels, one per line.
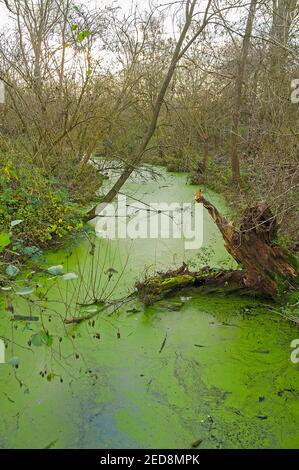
[
  {"x": 207, "y": 280},
  {"x": 265, "y": 268}
]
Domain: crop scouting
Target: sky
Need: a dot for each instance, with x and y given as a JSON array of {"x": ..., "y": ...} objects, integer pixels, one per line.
[{"x": 124, "y": 4}]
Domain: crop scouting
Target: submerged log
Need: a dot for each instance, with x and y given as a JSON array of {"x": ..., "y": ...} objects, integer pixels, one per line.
[
  {"x": 207, "y": 280},
  {"x": 265, "y": 268}
]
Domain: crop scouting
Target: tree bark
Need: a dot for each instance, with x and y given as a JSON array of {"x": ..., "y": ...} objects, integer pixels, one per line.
[{"x": 267, "y": 267}]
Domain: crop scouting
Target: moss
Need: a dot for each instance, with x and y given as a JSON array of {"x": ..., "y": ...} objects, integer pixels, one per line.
[
  {"x": 171, "y": 282},
  {"x": 157, "y": 287}
]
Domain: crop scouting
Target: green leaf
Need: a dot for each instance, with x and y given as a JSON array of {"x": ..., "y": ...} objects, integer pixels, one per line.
[
  {"x": 25, "y": 291},
  {"x": 12, "y": 270},
  {"x": 74, "y": 27},
  {"x": 4, "y": 240},
  {"x": 47, "y": 339},
  {"x": 55, "y": 270},
  {"x": 82, "y": 35},
  {"x": 14, "y": 361},
  {"x": 31, "y": 250},
  {"x": 72, "y": 329},
  {"x": 69, "y": 276},
  {"x": 91, "y": 310},
  {"x": 41, "y": 339},
  {"x": 36, "y": 340},
  {"x": 15, "y": 222}
]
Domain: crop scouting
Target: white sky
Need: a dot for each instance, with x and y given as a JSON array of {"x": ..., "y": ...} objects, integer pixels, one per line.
[{"x": 124, "y": 4}]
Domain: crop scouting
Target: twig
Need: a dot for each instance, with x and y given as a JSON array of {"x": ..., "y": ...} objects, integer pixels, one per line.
[{"x": 163, "y": 344}]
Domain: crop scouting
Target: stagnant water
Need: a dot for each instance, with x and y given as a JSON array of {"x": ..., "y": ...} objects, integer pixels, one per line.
[{"x": 212, "y": 368}]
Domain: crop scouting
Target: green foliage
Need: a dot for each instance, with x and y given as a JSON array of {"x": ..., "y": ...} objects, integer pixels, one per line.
[
  {"x": 4, "y": 240},
  {"x": 33, "y": 210},
  {"x": 82, "y": 35},
  {"x": 78, "y": 186},
  {"x": 69, "y": 276},
  {"x": 55, "y": 270},
  {"x": 41, "y": 339},
  {"x": 12, "y": 270},
  {"x": 25, "y": 291}
]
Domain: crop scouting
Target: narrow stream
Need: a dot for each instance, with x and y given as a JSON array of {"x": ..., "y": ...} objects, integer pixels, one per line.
[{"x": 213, "y": 369}]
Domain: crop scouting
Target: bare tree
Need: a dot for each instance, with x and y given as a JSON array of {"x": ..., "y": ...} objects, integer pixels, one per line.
[
  {"x": 179, "y": 51},
  {"x": 238, "y": 93}
]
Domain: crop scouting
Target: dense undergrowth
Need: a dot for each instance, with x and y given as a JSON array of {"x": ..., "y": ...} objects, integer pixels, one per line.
[{"x": 36, "y": 213}]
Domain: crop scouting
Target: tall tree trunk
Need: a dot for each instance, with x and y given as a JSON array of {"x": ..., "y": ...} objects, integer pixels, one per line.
[{"x": 235, "y": 162}]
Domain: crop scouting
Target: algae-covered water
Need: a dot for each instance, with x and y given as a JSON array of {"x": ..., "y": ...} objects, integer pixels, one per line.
[{"x": 211, "y": 369}]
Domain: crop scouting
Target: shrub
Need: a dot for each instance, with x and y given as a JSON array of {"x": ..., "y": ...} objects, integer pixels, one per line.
[{"x": 45, "y": 210}]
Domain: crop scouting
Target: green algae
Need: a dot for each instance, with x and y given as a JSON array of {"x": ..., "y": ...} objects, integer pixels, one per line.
[{"x": 224, "y": 375}]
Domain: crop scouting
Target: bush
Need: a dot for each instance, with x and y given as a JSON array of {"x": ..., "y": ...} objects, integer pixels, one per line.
[{"x": 45, "y": 211}]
